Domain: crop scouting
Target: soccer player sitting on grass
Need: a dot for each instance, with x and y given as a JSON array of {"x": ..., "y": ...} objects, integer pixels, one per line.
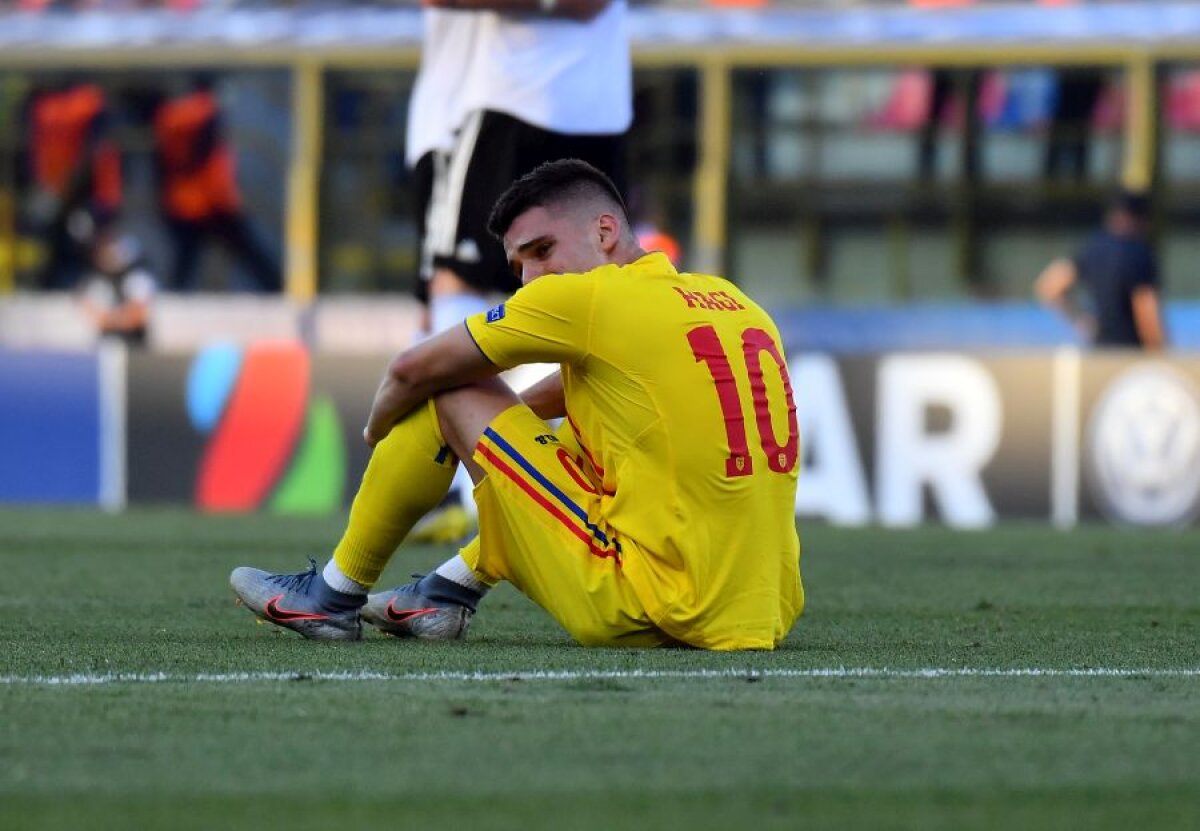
[{"x": 661, "y": 512}]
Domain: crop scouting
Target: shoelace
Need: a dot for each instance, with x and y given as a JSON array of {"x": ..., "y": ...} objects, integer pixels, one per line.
[{"x": 297, "y": 582}]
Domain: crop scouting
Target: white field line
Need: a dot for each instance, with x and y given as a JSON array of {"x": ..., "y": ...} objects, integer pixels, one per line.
[{"x": 88, "y": 679}]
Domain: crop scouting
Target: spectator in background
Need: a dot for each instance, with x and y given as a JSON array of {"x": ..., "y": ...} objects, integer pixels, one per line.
[
  {"x": 118, "y": 291},
  {"x": 74, "y": 174},
  {"x": 1117, "y": 271},
  {"x": 1069, "y": 141},
  {"x": 650, "y": 226},
  {"x": 503, "y": 86},
  {"x": 198, "y": 188},
  {"x": 652, "y": 237},
  {"x": 941, "y": 88},
  {"x": 944, "y": 85}
]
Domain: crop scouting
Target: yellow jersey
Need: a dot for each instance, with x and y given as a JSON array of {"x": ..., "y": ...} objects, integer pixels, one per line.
[{"x": 678, "y": 392}]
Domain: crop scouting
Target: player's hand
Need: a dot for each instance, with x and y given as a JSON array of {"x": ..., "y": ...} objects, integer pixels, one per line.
[
  {"x": 374, "y": 435},
  {"x": 392, "y": 402},
  {"x": 378, "y": 425}
]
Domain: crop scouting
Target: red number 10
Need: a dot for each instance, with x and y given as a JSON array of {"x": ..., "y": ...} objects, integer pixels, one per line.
[{"x": 781, "y": 458}]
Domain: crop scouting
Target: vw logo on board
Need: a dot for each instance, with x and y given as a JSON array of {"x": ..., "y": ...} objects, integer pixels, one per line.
[{"x": 1144, "y": 447}]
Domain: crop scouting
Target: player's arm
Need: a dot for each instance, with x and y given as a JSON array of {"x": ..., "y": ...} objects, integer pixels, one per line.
[
  {"x": 1055, "y": 282},
  {"x": 444, "y": 361},
  {"x": 134, "y": 314},
  {"x": 546, "y": 397},
  {"x": 128, "y": 317},
  {"x": 1053, "y": 289},
  {"x": 1147, "y": 317},
  {"x": 571, "y": 9}
]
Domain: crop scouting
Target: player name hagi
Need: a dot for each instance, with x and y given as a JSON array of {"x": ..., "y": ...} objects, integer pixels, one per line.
[{"x": 716, "y": 300}]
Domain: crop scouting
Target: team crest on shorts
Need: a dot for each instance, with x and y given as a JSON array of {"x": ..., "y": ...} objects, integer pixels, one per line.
[{"x": 495, "y": 314}]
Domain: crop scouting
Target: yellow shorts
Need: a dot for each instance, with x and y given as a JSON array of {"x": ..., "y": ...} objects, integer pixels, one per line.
[{"x": 540, "y": 528}]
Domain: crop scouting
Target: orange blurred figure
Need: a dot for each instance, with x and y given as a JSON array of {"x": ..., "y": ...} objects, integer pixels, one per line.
[
  {"x": 75, "y": 172},
  {"x": 198, "y": 188}
]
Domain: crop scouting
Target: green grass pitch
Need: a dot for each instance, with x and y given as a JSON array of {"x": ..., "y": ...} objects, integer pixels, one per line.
[{"x": 216, "y": 722}]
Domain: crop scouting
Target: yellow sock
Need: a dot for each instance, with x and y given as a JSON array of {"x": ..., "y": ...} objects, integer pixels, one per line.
[{"x": 408, "y": 474}]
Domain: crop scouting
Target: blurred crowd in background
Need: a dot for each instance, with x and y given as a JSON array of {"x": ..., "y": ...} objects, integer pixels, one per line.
[
  {"x": 188, "y": 5},
  {"x": 70, "y": 162},
  {"x": 846, "y": 184}
]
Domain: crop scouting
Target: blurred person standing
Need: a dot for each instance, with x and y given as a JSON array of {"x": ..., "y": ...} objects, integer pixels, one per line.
[
  {"x": 1068, "y": 142},
  {"x": 199, "y": 195},
  {"x": 1118, "y": 273},
  {"x": 73, "y": 170},
  {"x": 503, "y": 86},
  {"x": 117, "y": 292},
  {"x": 950, "y": 90},
  {"x": 650, "y": 226}
]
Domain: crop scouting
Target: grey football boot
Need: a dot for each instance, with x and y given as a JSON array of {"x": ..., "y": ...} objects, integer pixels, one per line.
[
  {"x": 431, "y": 608},
  {"x": 302, "y": 602}
]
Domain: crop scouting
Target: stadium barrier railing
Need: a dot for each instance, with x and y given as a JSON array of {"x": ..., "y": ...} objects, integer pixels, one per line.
[{"x": 1137, "y": 37}]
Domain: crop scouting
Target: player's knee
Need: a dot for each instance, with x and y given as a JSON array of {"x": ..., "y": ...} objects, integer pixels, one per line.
[{"x": 464, "y": 413}]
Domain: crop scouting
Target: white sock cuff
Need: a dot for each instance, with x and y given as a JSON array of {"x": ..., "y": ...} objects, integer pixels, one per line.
[
  {"x": 340, "y": 582},
  {"x": 456, "y": 570}
]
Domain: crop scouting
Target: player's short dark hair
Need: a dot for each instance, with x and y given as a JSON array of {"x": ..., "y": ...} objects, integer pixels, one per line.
[
  {"x": 1133, "y": 202},
  {"x": 551, "y": 183}
]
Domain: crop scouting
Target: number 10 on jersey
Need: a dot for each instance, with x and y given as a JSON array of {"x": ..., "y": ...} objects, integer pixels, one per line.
[{"x": 706, "y": 347}]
